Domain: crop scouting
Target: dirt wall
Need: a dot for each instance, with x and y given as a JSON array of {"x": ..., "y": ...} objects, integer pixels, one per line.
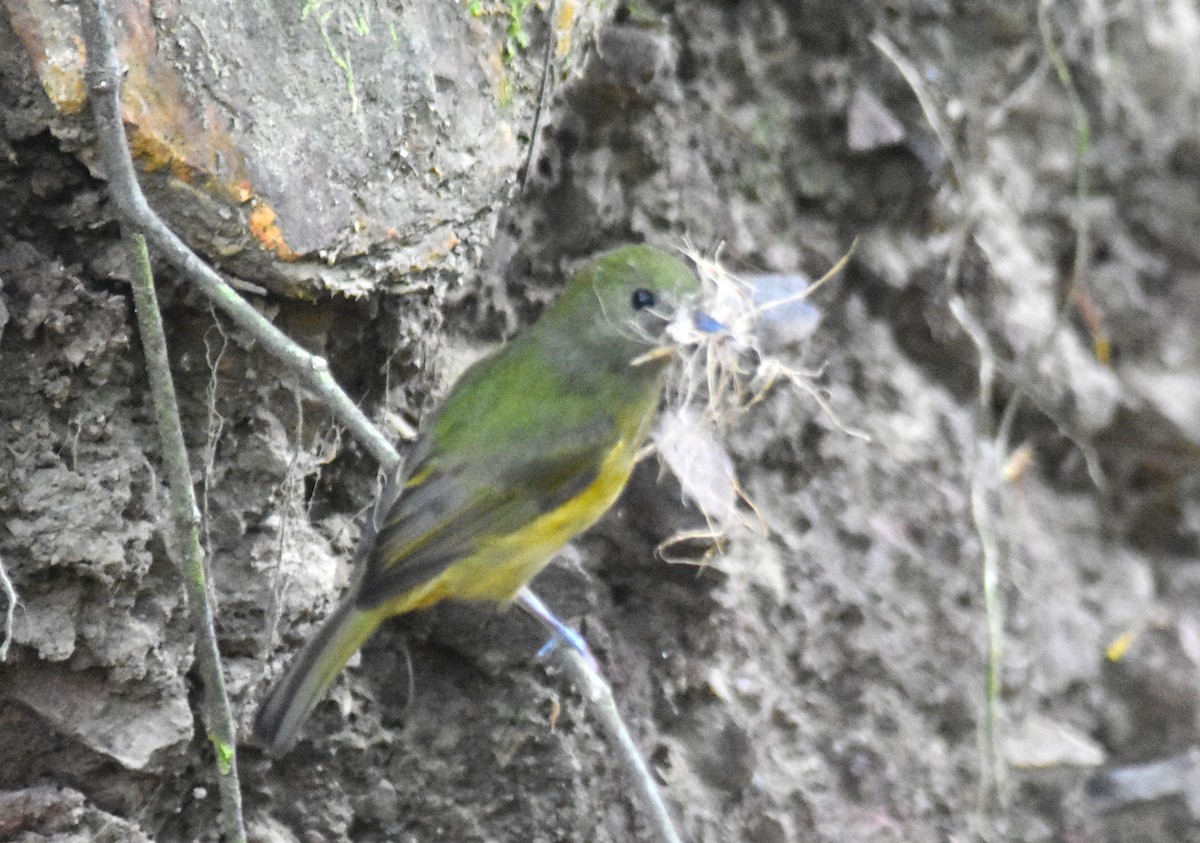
[{"x": 1024, "y": 185}]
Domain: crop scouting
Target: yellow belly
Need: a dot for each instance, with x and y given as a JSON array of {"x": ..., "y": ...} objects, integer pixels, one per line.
[{"x": 503, "y": 565}]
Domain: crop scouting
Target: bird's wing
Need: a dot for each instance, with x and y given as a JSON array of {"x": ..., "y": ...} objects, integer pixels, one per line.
[{"x": 447, "y": 507}]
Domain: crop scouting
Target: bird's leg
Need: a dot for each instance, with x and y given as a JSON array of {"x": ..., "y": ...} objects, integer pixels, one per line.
[{"x": 559, "y": 631}]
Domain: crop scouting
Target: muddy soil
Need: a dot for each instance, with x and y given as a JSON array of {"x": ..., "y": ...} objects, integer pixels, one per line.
[{"x": 981, "y": 623}]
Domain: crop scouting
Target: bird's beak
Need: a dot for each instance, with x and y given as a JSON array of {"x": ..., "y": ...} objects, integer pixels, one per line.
[
  {"x": 688, "y": 329},
  {"x": 707, "y": 324}
]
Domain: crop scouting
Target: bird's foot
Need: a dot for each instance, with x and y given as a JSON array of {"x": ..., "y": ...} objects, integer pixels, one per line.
[{"x": 559, "y": 631}]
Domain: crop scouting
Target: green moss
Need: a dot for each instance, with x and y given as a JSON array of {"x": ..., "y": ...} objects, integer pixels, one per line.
[
  {"x": 515, "y": 36},
  {"x": 359, "y": 23},
  {"x": 225, "y": 754},
  {"x": 518, "y": 38}
]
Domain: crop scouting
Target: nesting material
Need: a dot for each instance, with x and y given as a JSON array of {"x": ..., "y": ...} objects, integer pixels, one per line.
[{"x": 725, "y": 367}]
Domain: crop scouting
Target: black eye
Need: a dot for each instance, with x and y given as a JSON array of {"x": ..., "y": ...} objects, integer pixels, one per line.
[{"x": 642, "y": 299}]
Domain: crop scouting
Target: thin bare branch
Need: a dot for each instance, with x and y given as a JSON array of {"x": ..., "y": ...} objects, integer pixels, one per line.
[
  {"x": 185, "y": 534},
  {"x": 582, "y": 670}
]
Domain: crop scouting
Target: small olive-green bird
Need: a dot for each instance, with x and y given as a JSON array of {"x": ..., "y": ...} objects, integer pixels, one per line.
[{"x": 530, "y": 447}]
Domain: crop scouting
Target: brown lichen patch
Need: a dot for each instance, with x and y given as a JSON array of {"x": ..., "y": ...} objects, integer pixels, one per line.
[
  {"x": 267, "y": 232},
  {"x": 171, "y": 129}
]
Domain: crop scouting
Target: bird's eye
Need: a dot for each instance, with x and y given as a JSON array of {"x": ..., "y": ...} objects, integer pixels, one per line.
[{"x": 642, "y": 299}]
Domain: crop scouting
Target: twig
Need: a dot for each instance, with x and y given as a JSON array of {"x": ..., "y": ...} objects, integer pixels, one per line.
[
  {"x": 1083, "y": 145},
  {"x": 1080, "y": 220},
  {"x": 992, "y": 771},
  {"x": 581, "y": 666},
  {"x": 994, "y": 435},
  {"x": 104, "y": 76},
  {"x": 930, "y": 108},
  {"x": 603, "y": 705},
  {"x": 543, "y": 86},
  {"x": 185, "y": 530},
  {"x": 215, "y": 425},
  {"x": 10, "y": 595}
]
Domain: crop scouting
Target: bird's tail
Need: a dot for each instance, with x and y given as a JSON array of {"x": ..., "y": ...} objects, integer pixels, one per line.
[{"x": 289, "y": 702}]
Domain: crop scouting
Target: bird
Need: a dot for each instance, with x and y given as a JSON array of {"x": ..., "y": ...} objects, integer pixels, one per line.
[{"x": 530, "y": 447}]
